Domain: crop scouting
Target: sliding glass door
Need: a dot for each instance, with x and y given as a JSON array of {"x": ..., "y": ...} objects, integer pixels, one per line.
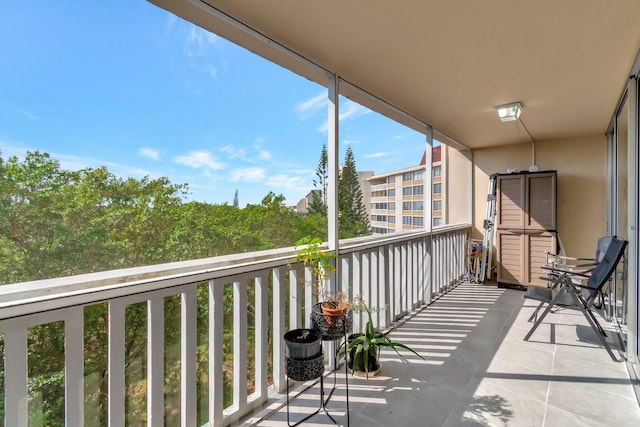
[{"x": 622, "y": 219}]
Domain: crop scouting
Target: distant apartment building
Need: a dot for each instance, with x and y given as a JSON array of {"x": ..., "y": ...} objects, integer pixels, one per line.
[
  {"x": 304, "y": 203},
  {"x": 397, "y": 197},
  {"x": 365, "y": 187}
]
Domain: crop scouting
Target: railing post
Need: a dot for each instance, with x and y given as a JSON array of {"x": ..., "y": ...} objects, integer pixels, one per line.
[
  {"x": 216, "y": 334},
  {"x": 308, "y": 295},
  {"x": 117, "y": 310},
  {"x": 374, "y": 287},
  {"x": 74, "y": 366},
  {"x": 15, "y": 380},
  {"x": 294, "y": 300},
  {"x": 427, "y": 268},
  {"x": 356, "y": 275},
  {"x": 155, "y": 361},
  {"x": 239, "y": 344},
  {"x": 261, "y": 324},
  {"x": 383, "y": 300},
  {"x": 188, "y": 347},
  {"x": 278, "y": 331},
  {"x": 397, "y": 286}
]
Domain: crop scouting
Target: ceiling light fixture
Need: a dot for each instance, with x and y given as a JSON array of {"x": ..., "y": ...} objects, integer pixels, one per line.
[{"x": 509, "y": 112}]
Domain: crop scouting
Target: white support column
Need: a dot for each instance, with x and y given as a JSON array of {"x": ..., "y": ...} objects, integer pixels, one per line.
[
  {"x": 74, "y": 366},
  {"x": 428, "y": 180},
  {"x": 155, "y": 361},
  {"x": 188, "y": 347},
  {"x": 116, "y": 363},
  {"x": 632, "y": 214},
  {"x": 333, "y": 149},
  {"x": 279, "y": 368},
  {"x": 216, "y": 334}
]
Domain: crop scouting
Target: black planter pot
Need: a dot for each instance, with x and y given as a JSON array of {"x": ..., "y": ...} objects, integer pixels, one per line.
[
  {"x": 302, "y": 344},
  {"x": 358, "y": 366},
  {"x": 331, "y": 327}
]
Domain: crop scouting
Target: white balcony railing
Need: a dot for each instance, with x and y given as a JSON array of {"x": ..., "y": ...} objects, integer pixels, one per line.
[
  {"x": 379, "y": 224},
  {"x": 379, "y": 199},
  {"x": 379, "y": 211},
  {"x": 379, "y": 187},
  {"x": 400, "y": 273}
]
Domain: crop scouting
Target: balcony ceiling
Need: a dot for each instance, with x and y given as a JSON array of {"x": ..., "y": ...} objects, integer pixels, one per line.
[{"x": 448, "y": 63}]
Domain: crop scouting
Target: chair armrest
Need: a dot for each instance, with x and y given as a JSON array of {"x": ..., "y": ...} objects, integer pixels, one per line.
[
  {"x": 563, "y": 271},
  {"x": 590, "y": 264}
]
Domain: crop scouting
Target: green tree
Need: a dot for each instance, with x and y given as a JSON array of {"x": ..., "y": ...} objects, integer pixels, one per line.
[
  {"x": 55, "y": 222},
  {"x": 351, "y": 210},
  {"x": 319, "y": 195}
]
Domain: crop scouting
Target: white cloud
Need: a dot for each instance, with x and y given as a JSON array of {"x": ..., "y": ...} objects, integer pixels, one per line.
[
  {"x": 351, "y": 110},
  {"x": 247, "y": 174},
  {"x": 201, "y": 42},
  {"x": 71, "y": 162},
  {"x": 10, "y": 149},
  {"x": 308, "y": 108},
  {"x": 262, "y": 153},
  {"x": 348, "y": 110},
  {"x": 245, "y": 154},
  {"x": 287, "y": 182},
  {"x": 234, "y": 152},
  {"x": 204, "y": 50},
  {"x": 27, "y": 114},
  {"x": 376, "y": 155},
  {"x": 149, "y": 153},
  {"x": 199, "y": 159}
]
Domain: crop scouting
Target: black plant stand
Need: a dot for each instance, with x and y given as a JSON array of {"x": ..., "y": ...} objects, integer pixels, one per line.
[
  {"x": 305, "y": 370},
  {"x": 333, "y": 328}
]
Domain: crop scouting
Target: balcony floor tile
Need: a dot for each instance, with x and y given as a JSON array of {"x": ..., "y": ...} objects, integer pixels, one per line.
[{"x": 480, "y": 372}]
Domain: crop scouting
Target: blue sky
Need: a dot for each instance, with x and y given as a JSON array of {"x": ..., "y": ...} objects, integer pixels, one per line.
[{"x": 130, "y": 86}]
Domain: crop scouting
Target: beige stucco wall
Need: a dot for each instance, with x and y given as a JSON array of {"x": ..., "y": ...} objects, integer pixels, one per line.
[
  {"x": 457, "y": 167},
  {"x": 580, "y": 163}
]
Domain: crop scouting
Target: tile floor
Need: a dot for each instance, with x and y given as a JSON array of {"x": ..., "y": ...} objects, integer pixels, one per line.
[{"x": 479, "y": 372}]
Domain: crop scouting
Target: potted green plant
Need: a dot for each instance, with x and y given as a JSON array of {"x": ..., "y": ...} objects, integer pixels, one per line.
[
  {"x": 333, "y": 304},
  {"x": 363, "y": 348}
]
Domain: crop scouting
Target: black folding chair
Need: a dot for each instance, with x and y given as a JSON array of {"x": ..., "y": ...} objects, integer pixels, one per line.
[
  {"x": 573, "y": 295},
  {"x": 557, "y": 265}
]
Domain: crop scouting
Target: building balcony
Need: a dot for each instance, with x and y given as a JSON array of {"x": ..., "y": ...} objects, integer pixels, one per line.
[
  {"x": 379, "y": 187},
  {"x": 383, "y": 199},
  {"x": 379, "y": 224},
  {"x": 477, "y": 367},
  {"x": 379, "y": 211}
]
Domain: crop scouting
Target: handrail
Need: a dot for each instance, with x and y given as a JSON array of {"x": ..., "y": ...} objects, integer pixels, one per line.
[{"x": 31, "y": 297}]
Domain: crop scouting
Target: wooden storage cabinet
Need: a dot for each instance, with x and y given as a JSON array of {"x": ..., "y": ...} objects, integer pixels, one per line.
[
  {"x": 526, "y": 226},
  {"x": 521, "y": 256}
]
